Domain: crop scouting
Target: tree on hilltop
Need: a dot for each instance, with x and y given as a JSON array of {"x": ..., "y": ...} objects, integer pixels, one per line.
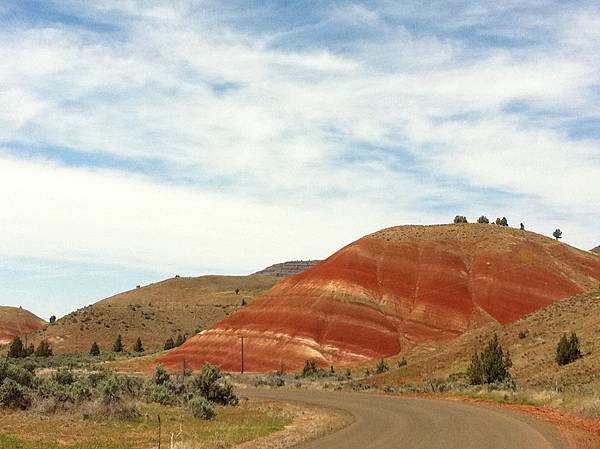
[
  {"x": 557, "y": 234},
  {"x": 483, "y": 220},
  {"x": 460, "y": 219},
  {"x": 502, "y": 221}
]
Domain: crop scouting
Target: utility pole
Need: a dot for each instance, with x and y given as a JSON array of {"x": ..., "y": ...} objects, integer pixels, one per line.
[{"x": 242, "y": 337}]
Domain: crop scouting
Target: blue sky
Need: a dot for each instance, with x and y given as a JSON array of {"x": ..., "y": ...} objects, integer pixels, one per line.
[{"x": 139, "y": 140}]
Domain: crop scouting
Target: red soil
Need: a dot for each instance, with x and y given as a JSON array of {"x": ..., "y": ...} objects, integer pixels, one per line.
[
  {"x": 397, "y": 287},
  {"x": 15, "y": 321}
]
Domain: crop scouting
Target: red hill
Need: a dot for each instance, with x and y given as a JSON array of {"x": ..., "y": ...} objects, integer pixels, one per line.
[
  {"x": 397, "y": 287},
  {"x": 15, "y": 321}
]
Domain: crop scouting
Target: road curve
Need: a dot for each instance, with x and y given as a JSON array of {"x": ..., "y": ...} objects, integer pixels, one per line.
[{"x": 385, "y": 422}]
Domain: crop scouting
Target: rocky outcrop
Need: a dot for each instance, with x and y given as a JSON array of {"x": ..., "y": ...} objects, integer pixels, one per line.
[
  {"x": 392, "y": 289},
  {"x": 290, "y": 268}
]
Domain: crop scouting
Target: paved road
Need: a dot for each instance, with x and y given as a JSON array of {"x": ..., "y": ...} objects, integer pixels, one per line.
[{"x": 383, "y": 422}]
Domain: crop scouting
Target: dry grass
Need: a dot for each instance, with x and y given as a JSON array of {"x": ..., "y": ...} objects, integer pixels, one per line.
[
  {"x": 232, "y": 426},
  {"x": 532, "y": 356},
  {"x": 574, "y": 387},
  {"x": 154, "y": 313}
]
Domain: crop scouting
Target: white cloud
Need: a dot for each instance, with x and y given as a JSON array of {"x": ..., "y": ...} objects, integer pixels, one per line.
[
  {"x": 285, "y": 159},
  {"x": 57, "y": 212}
]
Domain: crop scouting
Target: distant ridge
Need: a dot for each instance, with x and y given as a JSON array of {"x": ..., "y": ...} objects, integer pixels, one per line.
[
  {"x": 290, "y": 268},
  {"x": 596, "y": 250},
  {"x": 155, "y": 312}
]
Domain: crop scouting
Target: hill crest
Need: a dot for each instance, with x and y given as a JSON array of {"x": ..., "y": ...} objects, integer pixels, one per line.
[
  {"x": 155, "y": 312},
  {"x": 393, "y": 289}
]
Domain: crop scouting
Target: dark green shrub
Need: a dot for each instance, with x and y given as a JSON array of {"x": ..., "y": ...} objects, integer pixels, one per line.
[
  {"x": 382, "y": 367},
  {"x": 16, "y": 373},
  {"x": 63, "y": 376},
  {"x": 275, "y": 379},
  {"x": 208, "y": 384},
  {"x": 568, "y": 350},
  {"x": 201, "y": 408},
  {"x": 483, "y": 220},
  {"x": 169, "y": 344},
  {"x": 557, "y": 234},
  {"x": 460, "y": 219},
  {"x": 160, "y": 375},
  {"x": 81, "y": 391},
  {"x": 116, "y": 388},
  {"x": 52, "y": 319},
  {"x": 491, "y": 366},
  {"x": 95, "y": 350},
  {"x": 13, "y": 395},
  {"x": 164, "y": 394},
  {"x": 402, "y": 363}
]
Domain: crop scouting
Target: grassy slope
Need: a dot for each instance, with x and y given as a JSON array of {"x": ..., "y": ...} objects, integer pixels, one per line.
[
  {"x": 533, "y": 356},
  {"x": 154, "y": 312}
]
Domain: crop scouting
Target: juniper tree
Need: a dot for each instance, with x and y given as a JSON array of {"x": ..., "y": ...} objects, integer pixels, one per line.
[
  {"x": 118, "y": 345},
  {"x": 138, "y": 347},
  {"x": 95, "y": 350},
  {"x": 169, "y": 344},
  {"x": 483, "y": 220},
  {"x": 491, "y": 365},
  {"x": 557, "y": 234},
  {"x": 460, "y": 219},
  {"x": 16, "y": 350},
  {"x": 568, "y": 350},
  {"x": 180, "y": 340},
  {"x": 43, "y": 349}
]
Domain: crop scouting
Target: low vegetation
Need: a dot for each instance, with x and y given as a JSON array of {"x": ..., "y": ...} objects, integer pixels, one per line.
[{"x": 103, "y": 393}]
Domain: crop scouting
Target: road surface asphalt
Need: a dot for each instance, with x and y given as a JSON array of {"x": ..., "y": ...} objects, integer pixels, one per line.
[{"x": 386, "y": 422}]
